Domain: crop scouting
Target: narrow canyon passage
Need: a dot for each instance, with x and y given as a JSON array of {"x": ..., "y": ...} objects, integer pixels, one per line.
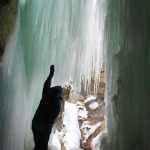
[{"x": 76, "y": 36}]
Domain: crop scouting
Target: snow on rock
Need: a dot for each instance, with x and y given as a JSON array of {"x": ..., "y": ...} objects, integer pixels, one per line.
[
  {"x": 94, "y": 105},
  {"x": 93, "y": 125},
  {"x": 95, "y": 141},
  {"x": 82, "y": 113},
  {"x": 89, "y": 98},
  {"x": 55, "y": 141},
  {"x": 80, "y": 128},
  {"x": 89, "y": 129}
]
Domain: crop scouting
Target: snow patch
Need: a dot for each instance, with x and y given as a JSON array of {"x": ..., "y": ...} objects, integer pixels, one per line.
[
  {"x": 89, "y": 98},
  {"x": 94, "y": 105},
  {"x": 96, "y": 140},
  {"x": 89, "y": 129},
  {"x": 55, "y": 141},
  {"x": 82, "y": 113},
  {"x": 70, "y": 134}
]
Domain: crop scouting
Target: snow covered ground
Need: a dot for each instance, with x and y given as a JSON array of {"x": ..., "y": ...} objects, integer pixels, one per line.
[
  {"x": 89, "y": 98},
  {"x": 89, "y": 129},
  {"x": 94, "y": 105},
  {"x": 82, "y": 113},
  {"x": 70, "y": 135}
]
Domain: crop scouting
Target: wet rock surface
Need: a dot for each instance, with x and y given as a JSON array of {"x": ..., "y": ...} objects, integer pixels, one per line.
[{"x": 8, "y": 11}]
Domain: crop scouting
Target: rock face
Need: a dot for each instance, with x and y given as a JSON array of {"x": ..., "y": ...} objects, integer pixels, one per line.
[
  {"x": 8, "y": 11},
  {"x": 90, "y": 115},
  {"x": 92, "y": 125},
  {"x": 95, "y": 108}
]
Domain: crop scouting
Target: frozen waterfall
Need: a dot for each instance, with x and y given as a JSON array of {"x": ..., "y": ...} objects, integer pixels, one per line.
[
  {"x": 70, "y": 135},
  {"x": 74, "y": 35},
  {"x": 68, "y": 34}
]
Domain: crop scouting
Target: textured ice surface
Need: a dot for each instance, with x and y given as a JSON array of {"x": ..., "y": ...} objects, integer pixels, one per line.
[
  {"x": 73, "y": 135},
  {"x": 68, "y": 34},
  {"x": 127, "y": 76},
  {"x": 70, "y": 135}
]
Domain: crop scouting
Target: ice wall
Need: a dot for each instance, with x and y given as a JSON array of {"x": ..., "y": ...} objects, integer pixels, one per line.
[
  {"x": 68, "y": 34},
  {"x": 72, "y": 136},
  {"x": 127, "y": 92}
]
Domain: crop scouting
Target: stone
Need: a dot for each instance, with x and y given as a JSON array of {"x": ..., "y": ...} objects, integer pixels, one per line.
[{"x": 8, "y": 11}]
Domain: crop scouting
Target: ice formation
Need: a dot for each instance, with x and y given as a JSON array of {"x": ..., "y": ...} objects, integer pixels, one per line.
[
  {"x": 127, "y": 97},
  {"x": 68, "y": 34},
  {"x": 70, "y": 135}
]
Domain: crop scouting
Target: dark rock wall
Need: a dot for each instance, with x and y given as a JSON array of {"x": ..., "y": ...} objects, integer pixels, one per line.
[{"x": 8, "y": 11}]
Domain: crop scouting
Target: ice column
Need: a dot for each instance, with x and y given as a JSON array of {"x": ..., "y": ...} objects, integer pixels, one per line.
[
  {"x": 72, "y": 135},
  {"x": 127, "y": 76}
]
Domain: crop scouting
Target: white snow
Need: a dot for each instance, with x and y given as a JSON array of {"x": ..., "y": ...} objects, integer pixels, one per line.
[
  {"x": 94, "y": 105},
  {"x": 89, "y": 98},
  {"x": 95, "y": 141},
  {"x": 56, "y": 142},
  {"x": 82, "y": 113},
  {"x": 70, "y": 134},
  {"x": 73, "y": 135},
  {"x": 89, "y": 129}
]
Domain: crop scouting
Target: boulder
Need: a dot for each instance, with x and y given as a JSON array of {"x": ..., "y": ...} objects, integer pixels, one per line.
[{"x": 8, "y": 11}]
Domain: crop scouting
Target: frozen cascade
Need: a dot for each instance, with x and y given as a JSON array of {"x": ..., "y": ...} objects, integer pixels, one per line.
[
  {"x": 127, "y": 76},
  {"x": 71, "y": 134},
  {"x": 64, "y": 30},
  {"x": 68, "y": 34}
]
